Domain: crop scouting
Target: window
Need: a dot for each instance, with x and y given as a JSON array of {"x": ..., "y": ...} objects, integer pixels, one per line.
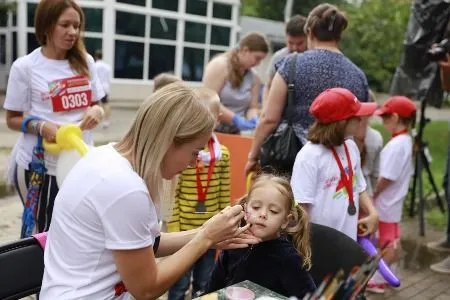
[
  {"x": 193, "y": 64},
  {"x": 163, "y": 28},
  {"x": 129, "y": 60},
  {"x": 161, "y": 59},
  {"x": 31, "y": 8},
  {"x": 14, "y": 15},
  {"x": 4, "y": 17},
  {"x": 32, "y": 42},
  {"x": 14, "y": 46},
  {"x": 94, "y": 19},
  {"x": 222, "y": 11},
  {"x": 92, "y": 45},
  {"x": 196, "y": 7},
  {"x": 130, "y": 24},
  {"x": 3, "y": 49},
  {"x": 220, "y": 35},
  {"x": 195, "y": 32},
  {"x": 165, "y": 4},
  {"x": 213, "y": 53},
  {"x": 133, "y": 2}
]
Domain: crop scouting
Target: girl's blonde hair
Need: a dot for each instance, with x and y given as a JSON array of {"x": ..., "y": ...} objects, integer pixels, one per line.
[
  {"x": 253, "y": 41},
  {"x": 298, "y": 226},
  {"x": 210, "y": 98},
  {"x": 172, "y": 115}
]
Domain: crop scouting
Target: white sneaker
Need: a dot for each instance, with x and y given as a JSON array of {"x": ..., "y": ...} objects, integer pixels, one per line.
[{"x": 442, "y": 267}]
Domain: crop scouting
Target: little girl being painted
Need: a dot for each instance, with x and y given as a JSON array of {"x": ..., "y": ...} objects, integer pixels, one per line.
[
  {"x": 280, "y": 262},
  {"x": 327, "y": 179},
  {"x": 396, "y": 168}
]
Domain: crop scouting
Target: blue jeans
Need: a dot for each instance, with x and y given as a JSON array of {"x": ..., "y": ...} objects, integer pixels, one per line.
[{"x": 200, "y": 271}]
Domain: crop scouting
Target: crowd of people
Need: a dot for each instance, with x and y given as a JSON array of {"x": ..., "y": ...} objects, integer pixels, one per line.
[{"x": 163, "y": 190}]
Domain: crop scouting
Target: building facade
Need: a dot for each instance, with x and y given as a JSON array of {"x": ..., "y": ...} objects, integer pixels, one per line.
[{"x": 139, "y": 38}]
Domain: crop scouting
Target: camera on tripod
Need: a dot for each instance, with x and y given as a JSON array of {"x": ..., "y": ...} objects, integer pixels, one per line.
[{"x": 439, "y": 51}]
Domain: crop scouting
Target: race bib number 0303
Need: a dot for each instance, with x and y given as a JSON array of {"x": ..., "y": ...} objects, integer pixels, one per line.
[{"x": 70, "y": 93}]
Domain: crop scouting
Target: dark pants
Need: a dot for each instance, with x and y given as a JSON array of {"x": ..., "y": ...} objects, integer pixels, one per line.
[
  {"x": 200, "y": 271},
  {"x": 447, "y": 193}
]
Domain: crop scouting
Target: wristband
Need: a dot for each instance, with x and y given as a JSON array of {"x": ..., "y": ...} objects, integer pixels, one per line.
[{"x": 25, "y": 121}]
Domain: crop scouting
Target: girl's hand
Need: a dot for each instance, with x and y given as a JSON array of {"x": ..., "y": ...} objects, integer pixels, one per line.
[
  {"x": 223, "y": 226},
  {"x": 92, "y": 117},
  {"x": 369, "y": 223},
  {"x": 48, "y": 131}
]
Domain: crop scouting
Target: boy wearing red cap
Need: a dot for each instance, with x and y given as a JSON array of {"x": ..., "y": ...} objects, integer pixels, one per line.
[
  {"x": 327, "y": 179},
  {"x": 396, "y": 167}
]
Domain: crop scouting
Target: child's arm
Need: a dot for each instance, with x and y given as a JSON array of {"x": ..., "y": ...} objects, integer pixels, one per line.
[
  {"x": 371, "y": 220},
  {"x": 224, "y": 182},
  {"x": 382, "y": 184},
  {"x": 173, "y": 224},
  {"x": 296, "y": 281}
]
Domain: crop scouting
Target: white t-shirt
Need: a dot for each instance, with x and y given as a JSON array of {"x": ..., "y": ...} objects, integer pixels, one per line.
[
  {"x": 396, "y": 165},
  {"x": 104, "y": 74},
  {"x": 103, "y": 205},
  {"x": 36, "y": 72},
  {"x": 316, "y": 181},
  {"x": 371, "y": 169}
]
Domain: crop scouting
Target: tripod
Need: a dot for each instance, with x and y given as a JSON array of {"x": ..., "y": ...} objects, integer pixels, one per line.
[{"x": 421, "y": 163}]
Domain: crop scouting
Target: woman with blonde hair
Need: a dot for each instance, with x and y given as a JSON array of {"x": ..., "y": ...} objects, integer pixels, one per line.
[
  {"x": 105, "y": 234},
  {"x": 55, "y": 84},
  {"x": 231, "y": 76}
]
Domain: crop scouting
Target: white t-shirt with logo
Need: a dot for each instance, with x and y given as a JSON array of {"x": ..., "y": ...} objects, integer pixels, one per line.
[
  {"x": 28, "y": 91},
  {"x": 316, "y": 180},
  {"x": 103, "y": 205},
  {"x": 396, "y": 165}
]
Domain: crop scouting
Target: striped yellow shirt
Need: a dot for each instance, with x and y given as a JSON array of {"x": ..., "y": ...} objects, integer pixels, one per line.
[{"x": 184, "y": 215}]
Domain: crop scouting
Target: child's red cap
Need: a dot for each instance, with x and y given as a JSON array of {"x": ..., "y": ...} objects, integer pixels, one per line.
[
  {"x": 339, "y": 104},
  {"x": 400, "y": 105}
]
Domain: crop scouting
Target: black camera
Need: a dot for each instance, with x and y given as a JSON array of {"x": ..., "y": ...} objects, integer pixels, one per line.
[{"x": 439, "y": 52}]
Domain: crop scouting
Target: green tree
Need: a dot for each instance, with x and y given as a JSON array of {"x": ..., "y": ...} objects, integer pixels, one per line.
[
  {"x": 374, "y": 38},
  {"x": 274, "y": 9}
]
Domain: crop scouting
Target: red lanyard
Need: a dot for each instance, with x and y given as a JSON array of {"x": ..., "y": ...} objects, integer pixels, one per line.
[
  {"x": 348, "y": 180},
  {"x": 404, "y": 131},
  {"x": 200, "y": 190}
]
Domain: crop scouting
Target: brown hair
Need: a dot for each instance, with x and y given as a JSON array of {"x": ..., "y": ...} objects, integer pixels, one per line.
[
  {"x": 329, "y": 135},
  {"x": 46, "y": 16},
  {"x": 326, "y": 22},
  {"x": 298, "y": 226},
  {"x": 253, "y": 42},
  {"x": 164, "y": 79},
  {"x": 296, "y": 26}
]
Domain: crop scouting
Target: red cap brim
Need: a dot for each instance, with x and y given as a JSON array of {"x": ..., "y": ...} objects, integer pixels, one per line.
[
  {"x": 366, "y": 109},
  {"x": 381, "y": 111}
]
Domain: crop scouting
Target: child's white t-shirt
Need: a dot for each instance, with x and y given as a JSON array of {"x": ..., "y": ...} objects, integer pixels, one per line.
[
  {"x": 396, "y": 165},
  {"x": 36, "y": 72},
  {"x": 316, "y": 181},
  {"x": 104, "y": 74},
  {"x": 103, "y": 205}
]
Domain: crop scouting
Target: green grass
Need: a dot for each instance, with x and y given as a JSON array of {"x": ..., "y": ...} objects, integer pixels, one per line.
[{"x": 437, "y": 135}]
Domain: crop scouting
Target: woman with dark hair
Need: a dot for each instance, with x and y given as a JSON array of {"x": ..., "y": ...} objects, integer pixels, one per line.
[
  {"x": 231, "y": 76},
  {"x": 55, "y": 84},
  {"x": 322, "y": 67}
]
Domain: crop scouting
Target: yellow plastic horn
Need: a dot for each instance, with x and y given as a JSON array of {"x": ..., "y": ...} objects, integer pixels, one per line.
[
  {"x": 249, "y": 181},
  {"x": 68, "y": 137}
]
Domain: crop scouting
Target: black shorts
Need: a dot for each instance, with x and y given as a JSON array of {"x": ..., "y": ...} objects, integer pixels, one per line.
[{"x": 104, "y": 100}]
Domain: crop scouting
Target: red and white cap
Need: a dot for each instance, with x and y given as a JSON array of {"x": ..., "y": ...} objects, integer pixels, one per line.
[
  {"x": 400, "y": 105},
  {"x": 338, "y": 104}
]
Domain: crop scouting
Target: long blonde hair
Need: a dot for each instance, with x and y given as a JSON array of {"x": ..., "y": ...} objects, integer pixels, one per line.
[
  {"x": 298, "y": 226},
  {"x": 172, "y": 115}
]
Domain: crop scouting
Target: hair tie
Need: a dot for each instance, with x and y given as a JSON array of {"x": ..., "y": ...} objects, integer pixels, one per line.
[{"x": 332, "y": 19}]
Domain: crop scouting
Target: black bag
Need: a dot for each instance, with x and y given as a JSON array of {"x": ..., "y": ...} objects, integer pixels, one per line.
[{"x": 279, "y": 150}]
